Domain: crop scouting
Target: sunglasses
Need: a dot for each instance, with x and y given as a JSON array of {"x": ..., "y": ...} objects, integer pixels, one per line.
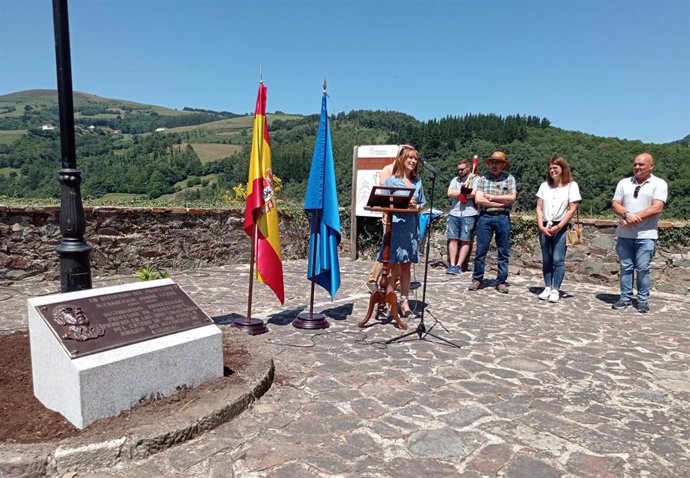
[
  {"x": 637, "y": 191},
  {"x": 462, "y": 170}
]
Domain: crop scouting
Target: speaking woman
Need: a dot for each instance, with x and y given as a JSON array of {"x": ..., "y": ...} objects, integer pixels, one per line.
[
  {"x": 557, "y": 201},
  {"x": 404, "y": 247}
]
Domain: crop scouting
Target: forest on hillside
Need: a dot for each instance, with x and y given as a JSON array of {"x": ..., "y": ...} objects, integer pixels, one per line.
[{"x": 155, "y": 164}]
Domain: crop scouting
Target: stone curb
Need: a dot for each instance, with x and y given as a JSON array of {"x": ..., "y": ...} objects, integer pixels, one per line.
[{"x": 79, "y": 454}]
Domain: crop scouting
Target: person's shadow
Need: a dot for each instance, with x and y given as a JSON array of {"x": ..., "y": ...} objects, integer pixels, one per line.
[
  {"x": 281, "y": 318},
  {"x": 226, "y": 319},
  {"x": 341, "y": 312},
  {"x": 285, "y": 317},
  {"x": 608, "y": 298}
]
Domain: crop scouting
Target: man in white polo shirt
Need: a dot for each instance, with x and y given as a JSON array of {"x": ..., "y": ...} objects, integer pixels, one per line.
[{"x": 638, "y": 201}]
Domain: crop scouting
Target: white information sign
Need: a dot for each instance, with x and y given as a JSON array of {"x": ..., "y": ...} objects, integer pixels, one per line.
[{"x": 368, "y": 162}]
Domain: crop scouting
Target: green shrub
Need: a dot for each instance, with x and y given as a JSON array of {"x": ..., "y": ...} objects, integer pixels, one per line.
[{"x": 151, "y": 272}]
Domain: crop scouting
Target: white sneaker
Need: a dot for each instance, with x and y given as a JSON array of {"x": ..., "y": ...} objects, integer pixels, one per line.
[
  {"x": 554, "y": 296},
  {"x": 545, "y": 295}
]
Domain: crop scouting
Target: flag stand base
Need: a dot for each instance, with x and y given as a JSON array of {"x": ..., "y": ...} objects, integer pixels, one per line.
[
  {"x": 305, "y": 320},
  {"x": 251, "y": 326}
]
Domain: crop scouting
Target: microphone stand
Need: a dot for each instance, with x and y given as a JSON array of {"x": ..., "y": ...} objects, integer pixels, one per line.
[{"x": 421, "y": 329}]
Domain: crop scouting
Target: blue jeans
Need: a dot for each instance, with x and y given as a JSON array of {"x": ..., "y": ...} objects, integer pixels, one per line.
[
  {"x": 487, "y": 226},
  {"x": 461, "y": 228},
  {"x": 553, "y": 250},
  {"x": 635, "y": 255}
]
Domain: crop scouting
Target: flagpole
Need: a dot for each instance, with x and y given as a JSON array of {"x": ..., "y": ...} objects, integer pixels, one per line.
[
  {"x": 247, "y": 324},
  {"x": 310, "y": 320},
  {"x": 248, "y": 319},
  {"x": 315, "y": 231},
  {"x": 314, "y": 224}
]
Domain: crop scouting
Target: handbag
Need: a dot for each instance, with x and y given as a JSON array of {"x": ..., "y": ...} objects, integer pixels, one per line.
[{"x": 574, "y": 234}]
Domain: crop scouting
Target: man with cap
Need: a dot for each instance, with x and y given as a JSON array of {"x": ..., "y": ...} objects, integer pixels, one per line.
[{"x": 495, "y": 194}]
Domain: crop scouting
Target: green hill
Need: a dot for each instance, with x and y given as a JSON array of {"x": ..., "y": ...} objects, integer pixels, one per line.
[
  {"x": 121, "y": 155},
  {"x": 236, "y": 130},
  {"x": 36, "y": 108},
  {"x": 46, "y": 99},
  {"x": 685, "y": 141}
]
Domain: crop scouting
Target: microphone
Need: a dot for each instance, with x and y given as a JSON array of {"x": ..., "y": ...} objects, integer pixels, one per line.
[{"x": 428, "y": 166}]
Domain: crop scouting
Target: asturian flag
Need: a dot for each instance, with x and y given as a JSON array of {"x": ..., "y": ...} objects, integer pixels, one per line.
[
  {"x": 261, "y": 209},
  {"x": 322, "y": 202}
]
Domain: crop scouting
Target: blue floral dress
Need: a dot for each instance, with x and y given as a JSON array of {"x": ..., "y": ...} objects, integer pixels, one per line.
[{"x": 405, "y": 232}]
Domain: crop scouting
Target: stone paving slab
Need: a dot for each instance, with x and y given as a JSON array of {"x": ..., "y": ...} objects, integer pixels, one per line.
[{"x": 573, "y": 389}]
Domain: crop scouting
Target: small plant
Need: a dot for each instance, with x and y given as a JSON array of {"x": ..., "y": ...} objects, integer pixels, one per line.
[
  {"x": 151, "y": 272},
  {"x": 241, "y": 192},
  {"x": 524, "y": 230},
  {"x": 674, "y": 236}
]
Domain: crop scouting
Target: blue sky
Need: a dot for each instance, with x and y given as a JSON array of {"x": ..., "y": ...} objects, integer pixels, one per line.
[{"x": 606, "y": 67}]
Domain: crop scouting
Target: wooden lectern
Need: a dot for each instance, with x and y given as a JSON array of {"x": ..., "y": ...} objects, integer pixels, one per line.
[{"x": 387, "y": 200}]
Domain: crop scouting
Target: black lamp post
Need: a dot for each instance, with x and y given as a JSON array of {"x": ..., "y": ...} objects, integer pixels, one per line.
[{"x": 74, "y": 251}]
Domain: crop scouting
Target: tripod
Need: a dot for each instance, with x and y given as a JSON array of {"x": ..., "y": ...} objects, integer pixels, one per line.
[{"x": 421, "y": 329}]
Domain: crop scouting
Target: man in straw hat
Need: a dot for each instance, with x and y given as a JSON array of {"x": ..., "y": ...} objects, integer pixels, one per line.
[{"x": 495, "y": 194}]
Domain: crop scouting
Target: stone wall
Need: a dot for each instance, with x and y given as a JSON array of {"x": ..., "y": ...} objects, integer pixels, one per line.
[
  {"x": 125, "y": 239},
  {"x": 593, "y": 262}
]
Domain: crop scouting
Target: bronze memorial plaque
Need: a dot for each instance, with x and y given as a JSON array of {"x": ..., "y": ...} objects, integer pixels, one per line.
[{"x": 94, "y": 324}]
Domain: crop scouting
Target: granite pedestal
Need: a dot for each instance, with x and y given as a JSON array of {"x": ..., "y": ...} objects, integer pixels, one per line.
[{"x": 103, "y": 384}]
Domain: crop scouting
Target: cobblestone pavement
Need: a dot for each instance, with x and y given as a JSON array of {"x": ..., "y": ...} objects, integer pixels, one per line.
[{"x": 573, "y": 389}]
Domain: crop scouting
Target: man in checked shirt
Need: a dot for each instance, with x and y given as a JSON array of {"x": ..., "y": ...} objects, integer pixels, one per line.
[{"x": 495, "y": 195}]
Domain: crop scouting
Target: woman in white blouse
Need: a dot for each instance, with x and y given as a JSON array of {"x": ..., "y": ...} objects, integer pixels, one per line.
[{"x": 557, "y": 201}]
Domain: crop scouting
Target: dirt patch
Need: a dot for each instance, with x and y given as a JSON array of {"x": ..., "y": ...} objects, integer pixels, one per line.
[{"x": 23, "y": 419}]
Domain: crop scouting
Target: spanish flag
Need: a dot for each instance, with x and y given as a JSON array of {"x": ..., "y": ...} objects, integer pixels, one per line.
[{"x": 261, "y": 204}]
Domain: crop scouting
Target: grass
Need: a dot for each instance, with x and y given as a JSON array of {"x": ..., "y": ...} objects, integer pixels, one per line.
[
  {"x": 230, "y": 126},
  {"x": 212, "y": 178},
  {"x": 179, "y": 195},
  {"x": 7, "y": 171},
  {"x": 78, "y": 115},
  {"x": 121, "y": 197},
  {"x": 9, "y": 137},
  {"x": 208, "y": 152},
  {"x": 12, "y": 114}
]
